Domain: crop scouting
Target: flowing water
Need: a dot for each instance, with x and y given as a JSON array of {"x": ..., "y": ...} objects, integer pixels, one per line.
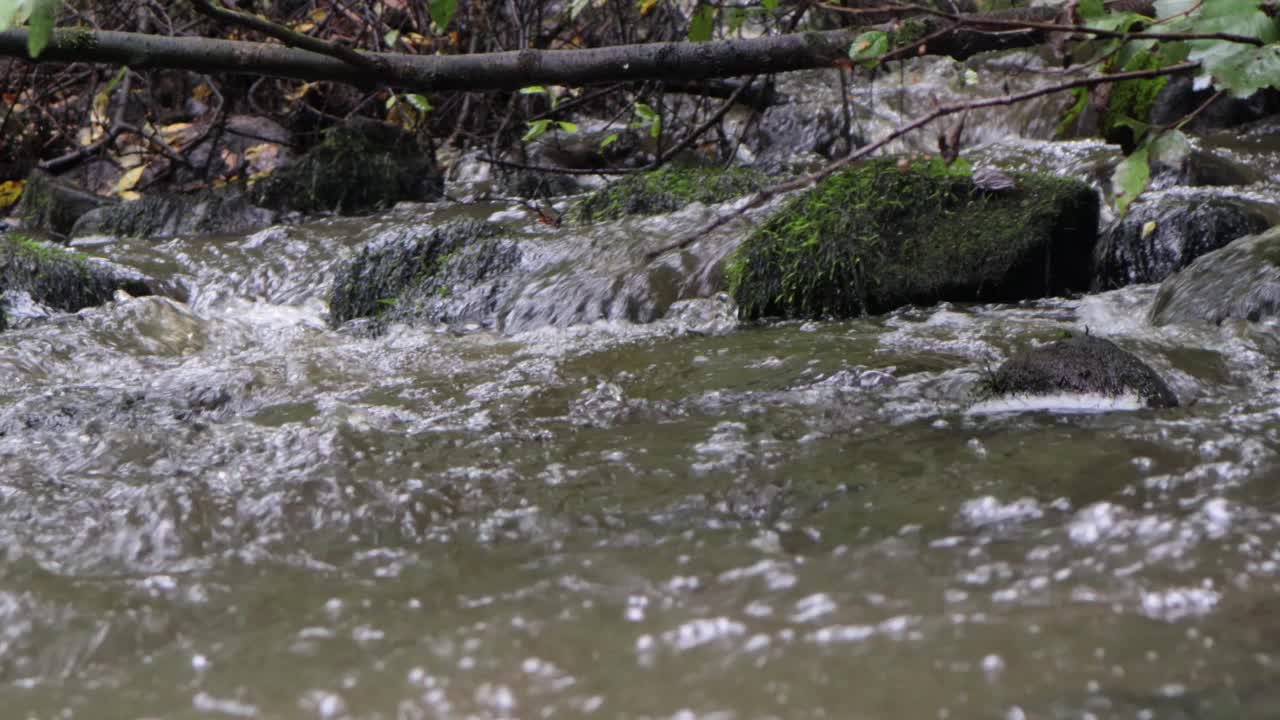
[
  {"x": 225, "y": 509},
  {"x": 222, "y": 508}
]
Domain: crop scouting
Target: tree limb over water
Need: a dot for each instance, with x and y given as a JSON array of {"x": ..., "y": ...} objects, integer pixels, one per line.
[{"x": 668, "y": 61}]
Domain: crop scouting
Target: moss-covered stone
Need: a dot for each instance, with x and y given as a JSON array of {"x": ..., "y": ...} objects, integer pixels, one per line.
[
  {"x": 358, "y": 167},
  {"x": 876, "y": 236},
  {"x": 411, "y": 275},
  {"x": 665, "y": 190},
  {"x": 60, "y": 278},
  {"x": 1081, "y": 365},
  {"x": 51, "y": 205}
]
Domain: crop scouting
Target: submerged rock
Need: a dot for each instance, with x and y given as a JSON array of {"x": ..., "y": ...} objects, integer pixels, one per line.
[
  {"x": 357, "y": 168},
  {"x": 50, "y": 205},
  {"x": 1158, "y": 238},
  {"x": 1081, "y": 365},
  {"x": 62, "y": 279},
  {"x": 1238, "y": 282},
  {"x": 877, "y": 236},
  {"x": 424, "y": 274},
  {"x": 666, "y": 190},
  {"x": 225, "y": 210}
]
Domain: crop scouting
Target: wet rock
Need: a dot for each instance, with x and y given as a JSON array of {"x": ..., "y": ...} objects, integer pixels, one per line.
[
  {"x": 666, "y": 190},
  {"x": 225, "y": 210},
  {"x": 537, "y": 185},
  {"x": 878, "y": 236},
  {"x": 358, "y": 167},
  {"x": 425, "y": 274},
  {"x": 1238, "y": 282},
  {"x": 1161, "y": 236},
  {"x": 62, "y": 279},
  {"x": 1179, "y": 98},
  {"x": 1203, "y": 168},
  {"x": 1081, "y": 365},
  {"x": 51, "y": 205},
  {"x": 809, "y": 118}
]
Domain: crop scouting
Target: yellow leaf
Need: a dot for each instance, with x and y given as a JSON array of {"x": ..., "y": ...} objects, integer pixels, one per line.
[
  {"x": 129, "y": 179},
  {"x": 130, "y": 195},
  {"x": 10, "y": 191},
  {"x": 318, "y": 14},
  {"x": 304, "y": 27},
  {"x": 202, "y": 93},
  {"x": 300, "y": 93},
  {"x": 1147, "y": 228}
]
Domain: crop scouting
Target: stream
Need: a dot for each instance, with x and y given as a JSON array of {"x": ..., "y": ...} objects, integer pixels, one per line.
[{"x": 222, "y": 508}]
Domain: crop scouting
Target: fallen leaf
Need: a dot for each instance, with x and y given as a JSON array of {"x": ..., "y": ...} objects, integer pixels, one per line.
[{"x": 10, "y": 191}]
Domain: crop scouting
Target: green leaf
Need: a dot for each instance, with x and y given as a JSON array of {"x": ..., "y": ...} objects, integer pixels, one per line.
[
  {"x": 442, "y": 11},
  {"x": 645, "y": 112},
  {"x": 391, "y": 38},
  {"x": 1247, "y": 72},
  {"x": 655, "y": 127},
  {"x": 391, "y": 101},
  {"x": 769, "y": 5},
  {"x": 1169, "y": 8},
  {"x": 13, "y": 13},
  {"x": 1115, "y": 22},
  {"x": 1091, "y": 9},
  {"x": 609, "y": 140},
  {"x": 115, "y": 80},
  {"x": 42, "y": 16},
  {"x": 576, "y": 8},
  {"x": 533, "y": 90},
  {"x": 536, "y": 129},
  {"x": 567, "y": 126},
  {"x": 702, "y": 23},
  {"x": 419, "y": 103},
  {"x": 1130, "y": 179},
  {"x": 1170, "y": 148},
  {"x": 868, "y": 47}
]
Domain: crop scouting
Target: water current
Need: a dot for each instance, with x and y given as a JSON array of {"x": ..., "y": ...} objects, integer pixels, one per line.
[{"x": 222, "y": 508}]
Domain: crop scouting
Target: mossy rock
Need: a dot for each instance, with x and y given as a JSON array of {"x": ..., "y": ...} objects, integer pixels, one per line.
[
  {"x": 877, "y": 236},
  {"x": 358, "y": 167},
  {"x": 667, "y": 189},
  {"x": 1081, "y": 365},
  {"x": 413, "y": 275},
  {"x": 51, "y": 205},
  {"x": 63, "y": 279}
]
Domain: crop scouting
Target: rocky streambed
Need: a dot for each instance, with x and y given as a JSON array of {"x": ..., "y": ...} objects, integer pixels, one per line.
[{"x": 447, "y": 461}]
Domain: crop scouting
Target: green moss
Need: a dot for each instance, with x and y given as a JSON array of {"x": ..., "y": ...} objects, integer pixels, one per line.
[
  {"x": 875, "y": 236},
  {"x": 33, "y": 249},
  {"x": 666, "y": 190},
  {"x": 1130, "y": 101},
  {"x": 908, "y": 32},
  {"x": 75, "y": 38}
]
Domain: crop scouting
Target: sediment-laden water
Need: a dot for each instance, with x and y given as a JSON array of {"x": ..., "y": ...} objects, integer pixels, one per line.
[{"x": 222, "y": 508}]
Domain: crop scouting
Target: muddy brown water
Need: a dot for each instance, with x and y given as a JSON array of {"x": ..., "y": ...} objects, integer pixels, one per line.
[{"x": 225, "y": 509}]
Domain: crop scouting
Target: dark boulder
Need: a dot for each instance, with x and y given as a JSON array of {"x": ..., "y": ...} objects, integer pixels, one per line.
[
  {"x": 881, "y": 235},
  {"x": 61, "y": 279},
  {"x": 1178, "y": 98},
  {"x": 358, "y": 167},
  {"x": 1158, "y": 237},
  {"x": 1238, "y": 282},
  {"x": 808, "y": 119},
  {"x": 51, "y": 205},
  {"x": 224, "y": 210},
  {"x": 443, "y": 274},
  {"x": 1081, "y": 365}
]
